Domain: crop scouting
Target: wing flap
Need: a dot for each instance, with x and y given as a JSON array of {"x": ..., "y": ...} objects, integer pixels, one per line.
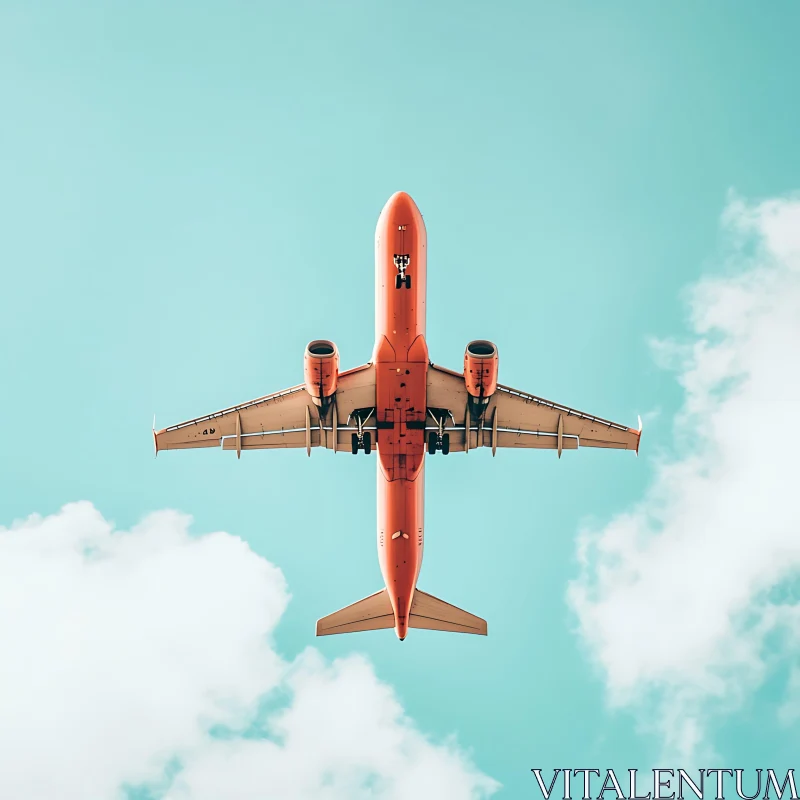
[
  {"x": 272, "y": 440},
  {"x": 277, "y": 439},
  {"x": 531, "y": 440},
  {"x": 586, "y": 442}
]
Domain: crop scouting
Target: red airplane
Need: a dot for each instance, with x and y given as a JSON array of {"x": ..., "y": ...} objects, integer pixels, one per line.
[{"x": 402, "y": 405}]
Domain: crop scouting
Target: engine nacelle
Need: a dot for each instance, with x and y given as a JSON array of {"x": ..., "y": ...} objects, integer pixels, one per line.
[
  {"x": 321, "y": 370},
  {"x": 480, "y": 371}
]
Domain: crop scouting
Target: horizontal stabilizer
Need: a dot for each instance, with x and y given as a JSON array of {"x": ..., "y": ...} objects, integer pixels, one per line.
[
  {"x": 434, "y": 614},
  {"x": 370, "y": 614}
]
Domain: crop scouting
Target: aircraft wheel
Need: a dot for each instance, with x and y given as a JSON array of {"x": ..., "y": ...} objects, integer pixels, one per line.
[
  {"x": 445, "y": 443},
  {"x": 354, "y": 443},
  {"x": 398, "y": 282},
  {"x": 431, "y": 443},
  {"x": 408, "y": 281},
  {"x": 367, "y": 443}
]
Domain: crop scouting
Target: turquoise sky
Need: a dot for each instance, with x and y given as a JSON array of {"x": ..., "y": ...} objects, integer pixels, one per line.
[{"x": 188, "y": 195}]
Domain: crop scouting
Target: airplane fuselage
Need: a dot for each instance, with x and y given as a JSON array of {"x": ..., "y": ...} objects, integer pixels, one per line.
[{"x": 401, "y": 364}]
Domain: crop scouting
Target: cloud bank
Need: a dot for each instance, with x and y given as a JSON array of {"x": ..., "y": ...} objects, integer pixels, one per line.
[
  {"x": 144, "y": 659},
  {"x": 686, "y": 600}
]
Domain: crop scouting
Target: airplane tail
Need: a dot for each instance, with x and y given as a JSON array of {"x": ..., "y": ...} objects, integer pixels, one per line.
[
  {"x": 375, "y": 612},
  {"x": 434, "y": 614},
  {"x": 370, "y": 614}
]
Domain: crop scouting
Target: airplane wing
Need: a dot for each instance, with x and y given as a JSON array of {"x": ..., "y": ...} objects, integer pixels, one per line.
[
  {"x": 284, "y": 419},
  {"x": 517, "y": 419}
]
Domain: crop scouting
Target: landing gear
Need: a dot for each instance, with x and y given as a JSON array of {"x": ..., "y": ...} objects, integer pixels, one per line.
[
  {"x": 440, "y": 442},
  {"x": 401, "y": 261},
  {"x": 361, "y": 440},
  {"x": 438, "y": 439}
]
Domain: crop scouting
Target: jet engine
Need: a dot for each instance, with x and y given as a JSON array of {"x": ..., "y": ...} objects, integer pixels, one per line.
[
  {"x": 321, "y": 370},
  {"x": 480, "y": 372}
]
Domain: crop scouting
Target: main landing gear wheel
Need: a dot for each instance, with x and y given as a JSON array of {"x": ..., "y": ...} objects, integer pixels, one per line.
[
  {"x": 365, "y": 444},
  {"x": 401, "y": 279},
  {"x": 438, "y": 442}
]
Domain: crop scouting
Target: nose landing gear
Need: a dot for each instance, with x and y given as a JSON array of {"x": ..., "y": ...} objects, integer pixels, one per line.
[{"x": 401, "y": 261}]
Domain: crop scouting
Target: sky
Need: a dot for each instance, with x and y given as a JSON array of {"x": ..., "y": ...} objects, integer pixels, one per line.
[{"x": 188, "y": 195}]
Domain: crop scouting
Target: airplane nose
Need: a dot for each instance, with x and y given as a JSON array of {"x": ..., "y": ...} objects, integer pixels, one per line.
[{"x": 400, "y": 203}]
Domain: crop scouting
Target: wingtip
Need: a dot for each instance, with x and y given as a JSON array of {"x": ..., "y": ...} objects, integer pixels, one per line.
[
  {"x": 155, "y": 437},
  {"x": 639, "y": 440}
]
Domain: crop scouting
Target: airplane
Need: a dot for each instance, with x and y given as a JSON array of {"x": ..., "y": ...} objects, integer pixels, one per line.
[{"x": 403, "y": 406}]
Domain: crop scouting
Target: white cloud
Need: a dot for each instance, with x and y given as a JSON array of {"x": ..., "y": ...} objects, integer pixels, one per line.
[
  {"x": 676, "y": 597},
  {"x": 121, "y": 650}
]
